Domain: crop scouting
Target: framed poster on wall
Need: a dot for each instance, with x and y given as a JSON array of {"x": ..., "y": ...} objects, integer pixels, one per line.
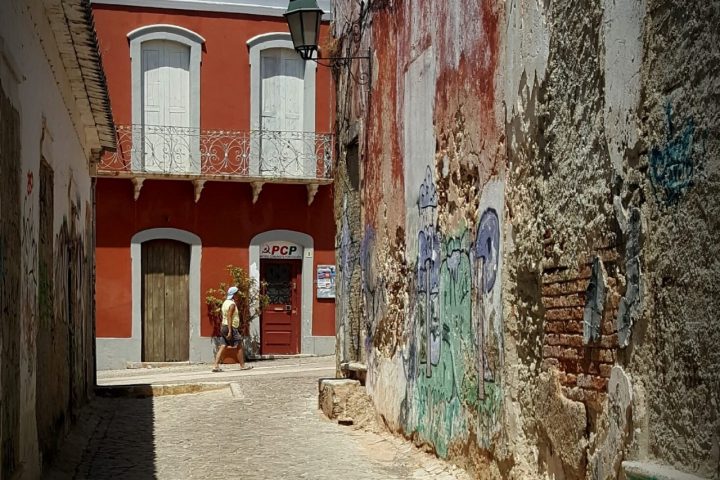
[{"x": 325, "y": 281}]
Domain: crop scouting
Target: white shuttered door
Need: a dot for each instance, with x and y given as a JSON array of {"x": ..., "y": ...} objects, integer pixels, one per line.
[
  {"x": 282, "y": 90},
  {"x": 166, "y": 112}
]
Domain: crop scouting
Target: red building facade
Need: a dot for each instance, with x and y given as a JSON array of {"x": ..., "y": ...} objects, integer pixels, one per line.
[{"x": 224, "y": 157}]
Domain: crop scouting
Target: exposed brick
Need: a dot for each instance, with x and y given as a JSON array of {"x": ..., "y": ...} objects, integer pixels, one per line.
[
  {"x": 603, "y": 355},
  {"x": 564, "y": 327},
  {"x": 609, "y": 341},
  {"x": 564, "y": 301},
  {"x": 568, "y": 379},
  {"x": 592, "y": 368},
  {"x": 570, "y": 366},
  {"x": 554, "y": 327},
  {"x": 564, "y": 288},
  {"x": 551, "y": 351},
  {"x": 575, "y": 313},
  {"x": 571, "y": 340},
  {"x": 608, "y": 327},
  {"x": 552, "y": 339},
  {"x": 570, "y": 354},
  {"x": 564, "y": 340},
  {"x": 605, "y": 370}
]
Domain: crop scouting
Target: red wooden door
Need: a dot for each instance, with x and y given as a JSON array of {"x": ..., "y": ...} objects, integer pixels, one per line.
[{"x": 280, "y": 322}]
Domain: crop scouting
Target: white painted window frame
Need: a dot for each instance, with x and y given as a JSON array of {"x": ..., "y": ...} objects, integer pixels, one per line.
[
  {"x": 171, "y": 33},
  {"x": 256, "y": 45}
]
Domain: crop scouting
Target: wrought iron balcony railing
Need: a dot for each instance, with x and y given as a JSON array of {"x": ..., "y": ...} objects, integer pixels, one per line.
[{"x": 180, "y": 151}]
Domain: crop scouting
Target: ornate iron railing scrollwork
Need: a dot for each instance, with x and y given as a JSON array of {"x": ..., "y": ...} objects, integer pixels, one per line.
[{"x": 169, "y": 150}]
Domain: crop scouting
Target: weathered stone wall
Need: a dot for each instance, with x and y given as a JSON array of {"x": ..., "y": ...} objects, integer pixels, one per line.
[
  {"x": 539, "y": 201},
  {"x": 46, "y": 245}
]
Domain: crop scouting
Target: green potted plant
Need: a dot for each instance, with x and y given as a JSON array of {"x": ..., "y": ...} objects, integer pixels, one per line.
[{"x": 250, "y": 301}]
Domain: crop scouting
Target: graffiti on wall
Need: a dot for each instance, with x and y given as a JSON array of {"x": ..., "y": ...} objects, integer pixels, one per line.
[
  {"x": 373, "y": 288},
  {"x": 347, "y": 254},
  {"x": 673, "y": 165},
  {"x": 486, "y": 259},
  {"x": 427, "y": 281},
  {"x": 453, "y": 347},
  {"x": 28, "y": 291}
]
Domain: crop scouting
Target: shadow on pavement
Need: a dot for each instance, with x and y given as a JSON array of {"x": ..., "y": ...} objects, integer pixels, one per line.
[{"x": 113, "y": 438}]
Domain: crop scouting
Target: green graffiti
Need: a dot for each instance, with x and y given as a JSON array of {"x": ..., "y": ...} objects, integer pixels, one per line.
[{"x": 443, "y": 405}]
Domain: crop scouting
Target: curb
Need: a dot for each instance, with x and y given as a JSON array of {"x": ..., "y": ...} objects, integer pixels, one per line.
[{"x": 145, "y": 391}]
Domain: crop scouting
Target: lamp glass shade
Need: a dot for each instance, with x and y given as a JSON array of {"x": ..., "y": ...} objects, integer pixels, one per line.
[{"x": 303, "y": 18}]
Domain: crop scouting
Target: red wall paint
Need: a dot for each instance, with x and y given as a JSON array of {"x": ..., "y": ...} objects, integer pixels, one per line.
[
  {"x": 225, "y": 67},
  {"x": 225, "y": 219}
]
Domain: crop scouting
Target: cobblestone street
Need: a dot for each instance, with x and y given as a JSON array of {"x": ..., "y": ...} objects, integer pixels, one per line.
[{"x": 258, "y": 424}]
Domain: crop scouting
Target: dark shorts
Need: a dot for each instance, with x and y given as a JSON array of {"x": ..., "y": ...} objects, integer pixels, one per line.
[{"x": 223, "y": 339}]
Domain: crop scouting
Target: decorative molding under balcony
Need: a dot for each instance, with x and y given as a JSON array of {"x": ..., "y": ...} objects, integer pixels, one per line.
[
  {"x": 312, "y": 189},
  {"x": 198, "y": 185},
  {"x": 137, "y": 184}
]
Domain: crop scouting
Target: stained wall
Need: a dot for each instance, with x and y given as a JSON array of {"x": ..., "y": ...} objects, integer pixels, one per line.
[
  {"x": 538, "y": 200},
  {"x": 46, "y": 245}
]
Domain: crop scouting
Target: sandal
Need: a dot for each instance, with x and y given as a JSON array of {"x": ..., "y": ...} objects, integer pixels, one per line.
[
  {"x": 247, "y": 367},
  {"x": 217, "y": 369}
]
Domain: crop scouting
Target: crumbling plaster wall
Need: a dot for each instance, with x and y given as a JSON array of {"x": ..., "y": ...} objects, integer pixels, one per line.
[
  {"x": 46, "y": 246},
  {"x": 539, "y": 205}
]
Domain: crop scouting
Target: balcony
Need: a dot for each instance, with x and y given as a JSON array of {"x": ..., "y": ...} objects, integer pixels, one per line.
[{"x": 257, "y": 157}]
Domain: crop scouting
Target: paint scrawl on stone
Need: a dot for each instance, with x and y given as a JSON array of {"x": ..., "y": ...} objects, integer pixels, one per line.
[
  {"x": 631, "y": 304},
  {"x": 486, "y": 255},
  {"x": 428, "y": 268},
  {"x": 673, "y": 166},
  {"x": 594, "y": 303}
]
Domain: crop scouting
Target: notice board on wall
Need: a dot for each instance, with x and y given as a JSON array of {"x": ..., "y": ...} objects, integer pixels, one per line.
[{"x": 325, "y": 281}]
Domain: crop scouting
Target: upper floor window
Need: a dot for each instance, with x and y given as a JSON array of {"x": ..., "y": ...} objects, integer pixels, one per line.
[
  {"x": 282, "y": 109},
  {"x": 165, "y": 70}
]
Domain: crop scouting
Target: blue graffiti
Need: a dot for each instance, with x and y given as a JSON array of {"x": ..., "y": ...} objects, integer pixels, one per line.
[
  {"x": 428, "y": 261},
  {"x": 672, "y": 167},
  {"x": 428, "y": 270},
  {"x": 346, "y": 241},
  {"x": 428, "y": 193},
  {"x": 487, "y": 244}
]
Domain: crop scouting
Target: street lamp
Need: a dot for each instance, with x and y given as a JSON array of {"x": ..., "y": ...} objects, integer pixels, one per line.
[{"x": 303, "y": 18}]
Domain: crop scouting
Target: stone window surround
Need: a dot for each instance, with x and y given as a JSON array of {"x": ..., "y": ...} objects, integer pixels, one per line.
[
  {"x": 278, "y": 40},
  {"x": 171, "y": 33}
]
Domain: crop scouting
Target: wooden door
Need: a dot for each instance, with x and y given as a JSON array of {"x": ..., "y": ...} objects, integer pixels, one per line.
[
  {"x": 166, "y": 315},
  {"x": 166, "y": 106},
  {"x": 282, "y": 93},
  {"x": 280, "y": 322}
]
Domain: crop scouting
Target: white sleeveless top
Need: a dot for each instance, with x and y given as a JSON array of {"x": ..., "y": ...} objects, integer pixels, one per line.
[{"x": 235, "y": 316}]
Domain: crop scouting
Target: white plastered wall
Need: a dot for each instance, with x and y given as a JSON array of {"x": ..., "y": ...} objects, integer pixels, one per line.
[{"x": 50, "y": 127}]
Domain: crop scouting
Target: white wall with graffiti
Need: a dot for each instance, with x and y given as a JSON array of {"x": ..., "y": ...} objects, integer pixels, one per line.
[{"x": 46, "y": 245}]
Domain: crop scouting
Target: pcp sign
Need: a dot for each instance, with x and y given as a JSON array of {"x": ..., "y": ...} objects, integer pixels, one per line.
[{"x": 280, "y": 250}]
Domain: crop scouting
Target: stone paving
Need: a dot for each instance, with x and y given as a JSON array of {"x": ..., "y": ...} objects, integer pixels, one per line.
[{"x": 265, "y": 424}]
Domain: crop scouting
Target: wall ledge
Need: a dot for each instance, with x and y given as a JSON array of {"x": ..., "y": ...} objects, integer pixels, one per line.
[{"x": 654, "y": 471}]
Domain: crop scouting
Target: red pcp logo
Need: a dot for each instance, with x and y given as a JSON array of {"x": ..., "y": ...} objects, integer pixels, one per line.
[{"x": 283, "y": 250}]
